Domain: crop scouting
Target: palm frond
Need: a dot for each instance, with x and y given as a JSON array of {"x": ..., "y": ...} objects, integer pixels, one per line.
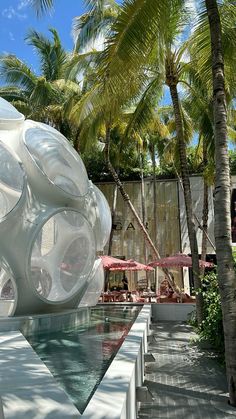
[
  {"x": 200, "y": 47},
  {"x": 14, "y": 71},
  {"x": 44, "y": 93},
  {"x": 13, "y": 93},
  {"x": 133, "y": 34},
  {"x": 67, "y": 86},
  {"x": 145, "y": 109},
  {"x": 187, "y": 125},
  {"x": 41, "y": 6},
  {"x": 94, "y": 24},
  {"x": 89, "y": 133},
  {"x": 80, "y": 65},
  {"x": 90, "y": 105},
  {"x": 51, "y": 54}
]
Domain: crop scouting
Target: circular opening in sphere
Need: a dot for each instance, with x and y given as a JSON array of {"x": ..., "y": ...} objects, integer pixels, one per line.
[
  {"x": 62, "y": 257},
  {"x": 7, "y": 293},
  {"x": 42, "y": 281},
  {"x": 11, "y": 181},
  {"x": 57, "y": 160}
]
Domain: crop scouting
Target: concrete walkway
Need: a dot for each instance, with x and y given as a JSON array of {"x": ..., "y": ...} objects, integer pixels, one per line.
[{"x": 185, "y": 383}]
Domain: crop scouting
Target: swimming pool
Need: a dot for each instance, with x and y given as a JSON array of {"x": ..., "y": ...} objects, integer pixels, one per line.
[{"x": 78, "y": 358}]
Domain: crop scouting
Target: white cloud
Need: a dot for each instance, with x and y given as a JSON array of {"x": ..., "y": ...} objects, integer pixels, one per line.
[
  {"x": 11, "y": 13},
  {"x": 11, "y": 36},
  {"x": 22, "y": 4}
]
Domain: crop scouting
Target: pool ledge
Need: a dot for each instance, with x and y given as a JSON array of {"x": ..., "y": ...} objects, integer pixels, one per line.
[{"x": 115, "y": 397}]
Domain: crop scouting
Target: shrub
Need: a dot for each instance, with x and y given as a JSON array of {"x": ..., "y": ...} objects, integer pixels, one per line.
[{"x": 212, "y": 326}]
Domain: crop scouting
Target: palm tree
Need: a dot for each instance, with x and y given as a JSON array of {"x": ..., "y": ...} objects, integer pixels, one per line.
[
  {"x": 154, "y": 136},
  {"x": 226, "y": 273},
  {"x": 143, "y": 39},
  {"x": 150, "y": 48},
  {"x": 199, "y": 106},
  {"x": 46, "y": 97}
]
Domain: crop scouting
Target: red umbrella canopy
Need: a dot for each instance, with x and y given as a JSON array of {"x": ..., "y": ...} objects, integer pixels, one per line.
[
  {"x": 133, "y": 266},
  {"x": 179, "y": 261},
  {"x": 111, "y": 263},
  {"x": 114, "y": 264}
]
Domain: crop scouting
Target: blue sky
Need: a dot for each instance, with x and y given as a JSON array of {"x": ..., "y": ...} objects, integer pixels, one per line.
[{"x": 17, "y": 16}]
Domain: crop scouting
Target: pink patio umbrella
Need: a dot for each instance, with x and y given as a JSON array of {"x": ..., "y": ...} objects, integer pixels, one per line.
[
  {"x": 114, "y": 264},
  {"x": 111, "y": 263},
  {"x": 179, "y": 260},
  {"x": 132, "y": 266}
]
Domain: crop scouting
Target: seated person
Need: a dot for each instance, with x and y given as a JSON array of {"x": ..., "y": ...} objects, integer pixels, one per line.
[{"x": 125, "y": 283}]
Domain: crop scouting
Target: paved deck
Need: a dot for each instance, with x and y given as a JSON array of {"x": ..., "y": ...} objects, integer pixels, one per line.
[{"x": 185, "y": 383}]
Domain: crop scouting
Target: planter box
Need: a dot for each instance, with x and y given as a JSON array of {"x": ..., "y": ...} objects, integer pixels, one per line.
[{"x": 172, "y": 311}]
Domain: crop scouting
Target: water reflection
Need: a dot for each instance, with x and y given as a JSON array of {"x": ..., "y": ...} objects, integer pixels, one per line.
[{"x": 79, "y": 358}]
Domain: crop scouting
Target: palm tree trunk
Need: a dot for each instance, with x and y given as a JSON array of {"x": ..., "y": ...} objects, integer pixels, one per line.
[
  {"x": 142, "y": 190},
  {"x": 195, "y": 217},
  {"x": 188, "y": 201},
  {"x": 226, "y": 274},
  {"x": 113, "y": 211},
  {"x": 109, "y": 252},
  {"x": 131, "y": 207},
  {"x": 153, "y": 157},
  {"x": 143, "y": 203},
  {"x": 76, "y": 140},
  {"x": 205, "y": 210}
]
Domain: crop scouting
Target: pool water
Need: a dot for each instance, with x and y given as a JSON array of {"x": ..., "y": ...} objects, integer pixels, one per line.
[{"x": 78, "y": 358}]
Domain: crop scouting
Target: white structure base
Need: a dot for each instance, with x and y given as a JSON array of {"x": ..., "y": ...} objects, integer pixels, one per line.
[{"x": 172, "y": 312}]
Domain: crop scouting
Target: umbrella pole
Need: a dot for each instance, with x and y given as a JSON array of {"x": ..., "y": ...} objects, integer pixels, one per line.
[
  {"x": 171, "y": 280},
  {"x": 106, "y": 280}
]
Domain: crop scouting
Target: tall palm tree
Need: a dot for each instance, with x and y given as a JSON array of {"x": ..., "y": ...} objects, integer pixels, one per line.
[
  {"x": 199, "y": 106},
  {"x": 226, "y": 273},
  {"x": 154, "y": 136},
  {"x": 141, "y": 41},
  {"x": 151, "y": 48}
]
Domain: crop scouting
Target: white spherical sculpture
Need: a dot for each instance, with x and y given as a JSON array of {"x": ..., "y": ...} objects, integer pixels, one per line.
[{"x": 53, "y": 220}]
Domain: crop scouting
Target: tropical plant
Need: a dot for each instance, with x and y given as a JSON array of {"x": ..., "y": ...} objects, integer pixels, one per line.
[
  {"x": 47, "y": 97},
  {"x": 211, "y": 328},
  {"x": 232, "y": 161}
]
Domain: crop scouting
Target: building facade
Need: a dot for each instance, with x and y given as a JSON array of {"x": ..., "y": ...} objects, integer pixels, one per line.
[{"x": 171, "y": 233}]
